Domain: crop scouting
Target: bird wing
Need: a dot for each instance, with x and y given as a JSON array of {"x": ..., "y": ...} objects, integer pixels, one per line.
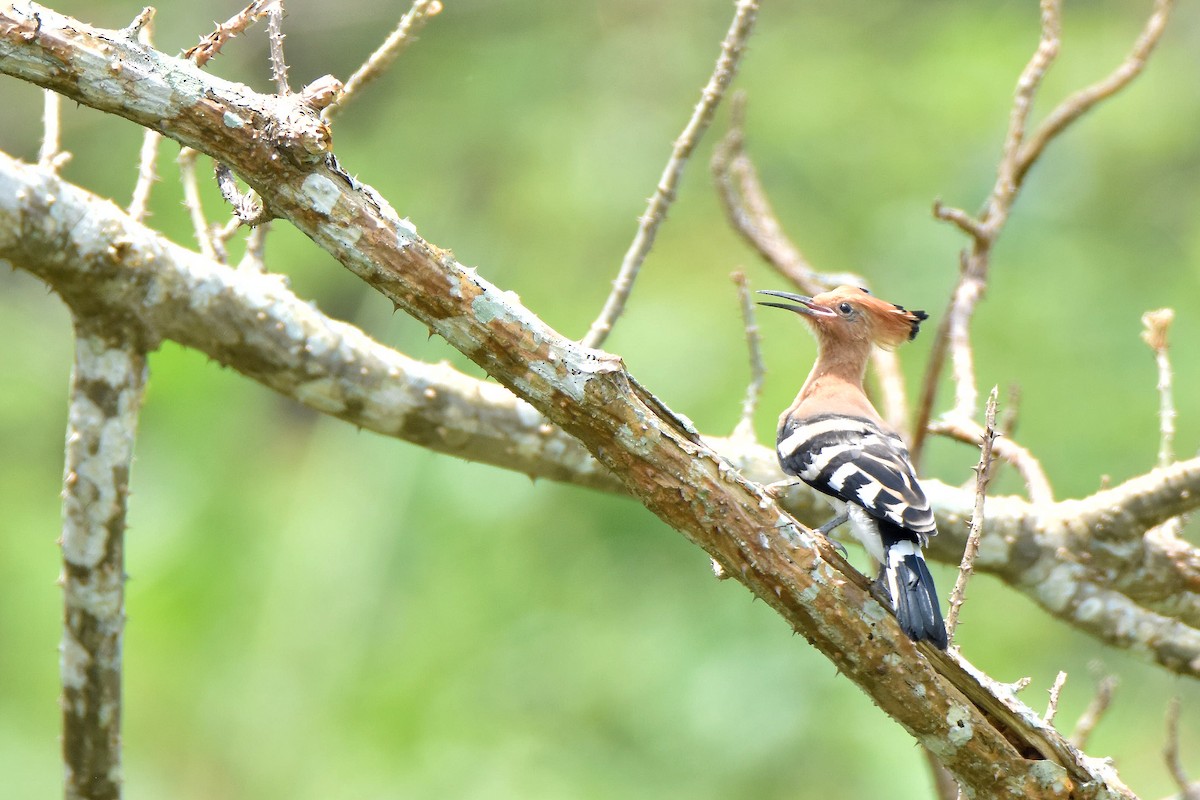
[{"x": 856, "y": 460}]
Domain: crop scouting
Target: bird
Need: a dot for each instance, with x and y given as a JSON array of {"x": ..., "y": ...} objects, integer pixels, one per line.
[{"x": 832, "y": 438}]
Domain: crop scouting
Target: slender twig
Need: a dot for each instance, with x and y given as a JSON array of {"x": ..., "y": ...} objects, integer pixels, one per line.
[
  {"x": 275, "y": 36},
  {"x": 983, "y": 474},
  {"x": 141, "y": 24},
  {"x": 254, "y": 260},
  {"x": 752, "y": 216},
  {"x": 146, "y": 175},
  {"x": 379, "y": 61},
  {"x": 1187, "y": 790},
  {"x": 144, "y": 26},
  {"x": 49, "y": 155},
  {"x": 1052, "y": 705},
  {"x": 1095, "y": 711},
  {"x": 1019, "y": 154},
  {"x": 970, "y": 432},
  {"x": 191, "y": 199},
  {"x": 1157, "y": 326},
  {"x": 247, "y": 208},
  {"x": 107, "y": 384},
  {"x": 732, "y": 49},
  {"x": 1084, "y": 100},
  {"x": 1007, "y": 181},
  {"x": 745, "y": 426},
  {"x": 210, "y": 46},
  {"x": 953, "y": 334},
  {"x": 1006, "y": 422}
]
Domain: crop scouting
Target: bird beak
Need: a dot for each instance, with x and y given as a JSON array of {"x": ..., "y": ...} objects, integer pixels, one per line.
[{"x": 806, "y": 304}]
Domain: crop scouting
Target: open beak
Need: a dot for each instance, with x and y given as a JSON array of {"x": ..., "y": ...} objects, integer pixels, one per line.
[{"x": 805, "y": 304}]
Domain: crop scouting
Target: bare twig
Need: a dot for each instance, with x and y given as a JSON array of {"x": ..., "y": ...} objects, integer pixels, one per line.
[
  {"x": 1095, "y": 711},
  {"x": 751, "y": 215},
  {"x": 970, "y": 432},
  {"x": 146, "y": 175},
  {"x": 247, "y": 208},
  {"x": 1052, "y": 705},
  {"x": 191, "y": 199},
  {"x": 253, "y": 260},
  {"x": 144, "y": 27},
  {"x": 210, "y": 46},
  {"x": 983, "y": 474},
  {"x": 275, "y": 36},
  {"x": 379, "y": 61},
  {"x": 1084, "y": 100},
  {"x": 1187, "y": 790},
  {"x": 1018, "y": 155},
  {"x": 1157, "y": 326},
  {"x": 745, "y": 426},
  {"x": 49, "y": 155},
  {"x": 139, "y": 23},
  {"x": 732, "y": 49}
]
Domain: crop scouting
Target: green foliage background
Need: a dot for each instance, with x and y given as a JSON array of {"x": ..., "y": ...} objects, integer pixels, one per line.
[{"x": 318, "y": 612}]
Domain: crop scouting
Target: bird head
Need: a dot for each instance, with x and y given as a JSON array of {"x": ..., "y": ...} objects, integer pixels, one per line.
[{"x": 851, "y": 314}]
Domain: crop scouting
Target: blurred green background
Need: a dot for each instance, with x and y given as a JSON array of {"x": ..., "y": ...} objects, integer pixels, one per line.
[{"x": 318, "y": 612}]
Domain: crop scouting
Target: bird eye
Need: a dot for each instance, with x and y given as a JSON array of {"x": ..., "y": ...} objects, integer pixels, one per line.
[{"x": 845, "y": 309}]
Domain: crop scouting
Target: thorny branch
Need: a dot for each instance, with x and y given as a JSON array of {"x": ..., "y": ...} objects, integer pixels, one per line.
[
  {"x": 1157, "y": 326},
  {"x": 745, "y": 425},
  {"x": 210, "y": 46},
  {"x": 379, "y": 61},
  {"x": 1052, "y": 704},
  {"x": 732, "y": 49},
  {"x": 983, "y": 476}
]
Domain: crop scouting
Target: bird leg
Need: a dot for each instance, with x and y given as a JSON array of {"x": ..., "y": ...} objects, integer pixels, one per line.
[{"x": 828, "y": 527}]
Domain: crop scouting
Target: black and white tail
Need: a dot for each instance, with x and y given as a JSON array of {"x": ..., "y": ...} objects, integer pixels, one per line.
[{"x": 914, "y": 597}]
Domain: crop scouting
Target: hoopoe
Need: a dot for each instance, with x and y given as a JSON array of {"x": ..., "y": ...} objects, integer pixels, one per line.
[{"x": 833, "y": 439}]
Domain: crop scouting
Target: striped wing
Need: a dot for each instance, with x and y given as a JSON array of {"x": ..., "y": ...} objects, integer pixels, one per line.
[{"x": 855, "y": 460}]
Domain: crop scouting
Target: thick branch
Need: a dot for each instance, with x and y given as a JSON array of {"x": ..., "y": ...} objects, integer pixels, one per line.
[{"x": 106, "y": 394}]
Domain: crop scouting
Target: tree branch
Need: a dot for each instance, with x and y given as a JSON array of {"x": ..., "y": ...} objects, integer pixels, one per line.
[
  {"x": 106, "y": 394},
  {"x": 252, "y": 323},
  {"x": 732, "y": 48},
  {"x": 1019, "y": 154}
]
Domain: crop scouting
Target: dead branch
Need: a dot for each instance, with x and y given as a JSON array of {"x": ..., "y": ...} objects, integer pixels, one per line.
[
  {"x": 983, "y": 475},
  {"x": 732, "y": 49},
  {"x": 210, "y": 46},
  {"x": 1095, "y": 711},
  {"x": 378, "y": 62},
  {"x": 1018, "y": 156},
  {"x": 758, "y": 371}
]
